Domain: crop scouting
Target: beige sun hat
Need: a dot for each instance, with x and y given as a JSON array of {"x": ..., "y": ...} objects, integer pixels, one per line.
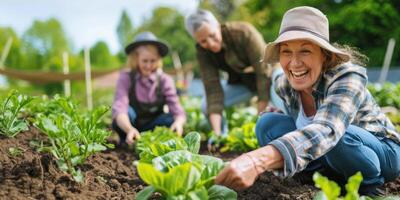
[{"x": 306, "y": 23}]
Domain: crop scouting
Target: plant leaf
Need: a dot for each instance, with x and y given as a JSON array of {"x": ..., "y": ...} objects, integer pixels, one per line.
[
  {"x": 193, "y": 141},
  {"x": 145, "y": 193},
  {"x": 219, "y": 192}
]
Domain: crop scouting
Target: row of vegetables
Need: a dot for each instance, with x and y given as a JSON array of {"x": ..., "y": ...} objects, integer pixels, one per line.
[{"x": 170, "y": 165}]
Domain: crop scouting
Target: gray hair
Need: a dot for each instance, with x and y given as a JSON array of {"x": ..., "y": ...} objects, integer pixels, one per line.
[{"x": 194, "y": 21}]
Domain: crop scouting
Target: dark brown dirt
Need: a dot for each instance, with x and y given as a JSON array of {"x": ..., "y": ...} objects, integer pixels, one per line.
[
  {"x": 111, "y": 175},
  {"x": 33, "y": 175}
]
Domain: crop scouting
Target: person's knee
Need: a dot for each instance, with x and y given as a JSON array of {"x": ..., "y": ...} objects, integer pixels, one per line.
[
  {"x": 350, "y": 156},
  {"x": 265, "y": 123}
]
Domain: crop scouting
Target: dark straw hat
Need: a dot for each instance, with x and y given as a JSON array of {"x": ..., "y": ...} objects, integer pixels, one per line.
[{"x": 147, "y": 38}]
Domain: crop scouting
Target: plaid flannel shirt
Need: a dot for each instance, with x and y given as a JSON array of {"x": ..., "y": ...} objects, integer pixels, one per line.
[{"x": 341, "y": 99}]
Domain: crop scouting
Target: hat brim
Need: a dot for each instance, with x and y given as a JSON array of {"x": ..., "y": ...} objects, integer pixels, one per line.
[
  {"x": 162, "y": 47},
  {"x": 271, "y": 54}
]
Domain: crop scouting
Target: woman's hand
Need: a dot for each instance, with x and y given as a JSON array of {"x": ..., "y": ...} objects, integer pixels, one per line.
[
  {"x": 239, "y": 174},
  {"x": 132, "y": 135},
  {"x": 177, "y": 126},
  {"x": 243, "y": 171}
]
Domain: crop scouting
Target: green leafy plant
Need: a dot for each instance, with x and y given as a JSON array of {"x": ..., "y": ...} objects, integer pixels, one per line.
[
  {"x": 387, "y": 94},
  {"x": 74, "y": 136},
  {"x": 241, "y": 139},
  {"x": 15, "y": 151},
  {"x": 10, "y": 109},
  {"x": 331, "y": 190},
  {"x": 237, "y": 116},
  {"x": 162, "y": 140},
  {"x": 183, "y": 175},
  {"x": 196, "y": 120}
]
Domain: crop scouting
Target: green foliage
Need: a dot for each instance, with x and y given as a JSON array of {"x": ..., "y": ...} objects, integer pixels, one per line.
[
  {"x": 196, "y": 120},
  {"x": 387, "y": 94},
  {"x": 241, "y": 139},
  {"x": 101, "y": 57},
  {"x": 74, "y": 136},
  {"x": 380, "y": 21},
  {"x": 237, "y": 116},
  {"x": 162, "y": 140},
  {"x": 124, "y": 30},
  {"x": 331, "y": 190},
  {"x": 15, "y": 56},
  {"x": 10, "y": 110},
  {"x": 183, "y": 175}
]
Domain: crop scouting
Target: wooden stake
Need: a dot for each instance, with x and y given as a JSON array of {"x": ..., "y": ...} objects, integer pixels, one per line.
[
  {"x": 387, "y": 60},
  {"x": 5, "y": 52},
  {"x": 88, "y": 79},
  {"x": 67, "y": 82}
]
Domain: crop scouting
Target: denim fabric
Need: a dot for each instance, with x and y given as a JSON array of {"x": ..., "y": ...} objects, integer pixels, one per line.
[
  {"x": 165, "y": 119},
  {"x": 378, "y": 159}
]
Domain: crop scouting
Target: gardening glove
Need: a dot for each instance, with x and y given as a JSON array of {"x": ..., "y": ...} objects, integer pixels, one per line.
[
  {"x": 243, "y": 171},
  {"x": 132, "y": 135}
]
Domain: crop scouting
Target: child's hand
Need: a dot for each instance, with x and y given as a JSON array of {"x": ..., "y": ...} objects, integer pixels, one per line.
[
  {"x": 177, "y": 126},
  {"x": 132, "y": 135}
]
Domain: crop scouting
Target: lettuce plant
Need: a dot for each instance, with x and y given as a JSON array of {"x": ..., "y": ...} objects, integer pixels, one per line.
[
  {"x": 183, "y": 175},
  {"x": 241, "y": 139},
  {"x": 10, "y": 109},
  {"x": 74, "y": 136},
  {"x": 331, "y": 190},
  {"x": 162, "y": 140}
]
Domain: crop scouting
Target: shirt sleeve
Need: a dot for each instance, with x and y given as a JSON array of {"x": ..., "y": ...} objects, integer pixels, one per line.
[
  {"x": 171, "y": 97},
  {"x": 212, "y": 86},
  {"x": 254, "y": 44},
  {"x": 121, "y": 98},
  {"x": 337, "y": 111}
]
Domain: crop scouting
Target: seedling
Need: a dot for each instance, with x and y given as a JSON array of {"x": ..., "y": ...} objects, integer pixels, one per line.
[{"x": 10, "y": 108}]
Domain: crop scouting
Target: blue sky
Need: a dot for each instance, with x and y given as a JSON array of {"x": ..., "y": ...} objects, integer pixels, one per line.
[{"x": 85, "y": 21}]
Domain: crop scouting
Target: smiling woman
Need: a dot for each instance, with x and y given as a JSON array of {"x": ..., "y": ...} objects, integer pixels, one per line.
[{"x": 333, "y": 122}]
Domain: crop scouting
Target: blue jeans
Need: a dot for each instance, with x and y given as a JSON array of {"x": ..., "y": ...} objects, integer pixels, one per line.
[
  {"x": 238, "y": 93},
  {"x": 165, "y": 119},
  {"x": 378, "y": 159}
]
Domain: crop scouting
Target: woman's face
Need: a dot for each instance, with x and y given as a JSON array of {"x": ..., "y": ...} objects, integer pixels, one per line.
[
  {"x": 148, "y": 60},
  {"x": 209, "y": 37},
  {"x": 302, "y": 62}
]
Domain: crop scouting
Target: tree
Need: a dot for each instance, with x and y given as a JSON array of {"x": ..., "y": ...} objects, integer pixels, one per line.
[
  {"x": 101, "y": 57},
  {"x": 124, "y": 29},
  {"x": 43, "y": 44},
  {"x": 15, "y": 57},
  {"x": 45, "y": 41}
]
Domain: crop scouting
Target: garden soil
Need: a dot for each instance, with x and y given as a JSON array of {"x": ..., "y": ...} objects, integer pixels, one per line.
[{"x": 112, "y": 175}]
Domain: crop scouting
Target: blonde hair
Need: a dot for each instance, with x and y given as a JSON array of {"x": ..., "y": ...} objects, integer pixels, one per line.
[
  {"x": 132, "y": 58},
  {"x": 332, "y": 60}
]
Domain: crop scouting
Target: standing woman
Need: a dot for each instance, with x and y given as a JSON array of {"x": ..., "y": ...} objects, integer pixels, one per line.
[
  {"x": 235, "y": 48},
  {"x": 143, "y": 90},
  {"x": 333, "y": 122}
]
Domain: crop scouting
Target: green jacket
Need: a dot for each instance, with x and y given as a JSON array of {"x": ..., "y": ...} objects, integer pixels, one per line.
[{"x": 243, "y": 47}]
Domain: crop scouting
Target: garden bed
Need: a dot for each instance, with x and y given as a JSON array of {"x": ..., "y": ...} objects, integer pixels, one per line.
[{"x": 109, "y": 175}]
